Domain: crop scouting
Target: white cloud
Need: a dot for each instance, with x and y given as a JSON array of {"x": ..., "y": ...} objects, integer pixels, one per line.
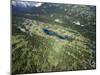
[
  {"x": 77, "y": 22},
  {"x": 58, "y": 21},
  {"x": 13, "y": 3},
  {"x": 25, "y": 3},
  {"x": 38, "y": 4}
]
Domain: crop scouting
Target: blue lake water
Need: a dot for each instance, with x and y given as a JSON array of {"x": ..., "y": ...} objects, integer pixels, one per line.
[{"x": 52, "y": 33}]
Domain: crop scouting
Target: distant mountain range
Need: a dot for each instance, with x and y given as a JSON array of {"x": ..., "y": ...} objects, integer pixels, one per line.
[
  {"x": 24, "y": 6},
  {"x": 19, "y": 7},
  {"x": 80, "y": 15}
]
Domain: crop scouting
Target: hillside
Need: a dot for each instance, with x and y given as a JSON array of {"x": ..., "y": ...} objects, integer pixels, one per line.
[{"x": 53, "y": 37}]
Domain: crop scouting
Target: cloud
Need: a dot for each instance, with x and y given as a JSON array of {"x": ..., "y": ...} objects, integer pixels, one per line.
[
  {"x": 26, "y": 3},
  {"x": 38, "y": 4},
  {"x": 14, "y": 3}
]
